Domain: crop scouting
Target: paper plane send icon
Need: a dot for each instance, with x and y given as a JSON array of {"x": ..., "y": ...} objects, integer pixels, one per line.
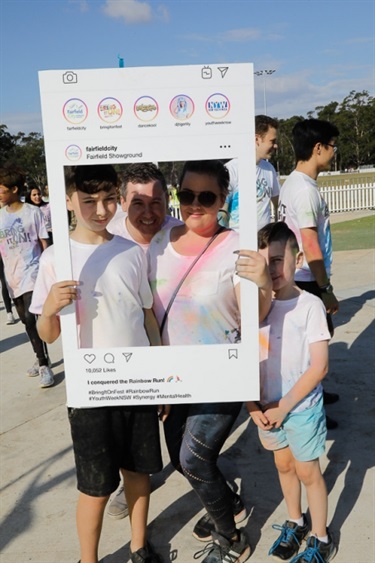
[
  {"x": 223, "y": 70},
  {"x": 127, "y": 356}
]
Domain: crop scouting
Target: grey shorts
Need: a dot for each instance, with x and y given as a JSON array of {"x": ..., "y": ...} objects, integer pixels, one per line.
[{"x": 106, "y": 439}]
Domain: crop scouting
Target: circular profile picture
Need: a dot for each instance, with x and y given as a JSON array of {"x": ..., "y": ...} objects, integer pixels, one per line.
[
  {"x": 217, "y": 106},
  {"x": 75, "y": 111},
  {"x": 181, "y": 107},
  {"x": 146, "y": 108},
  {"x": 110, "y": 110},
  {"x": 73, "y": 153}
]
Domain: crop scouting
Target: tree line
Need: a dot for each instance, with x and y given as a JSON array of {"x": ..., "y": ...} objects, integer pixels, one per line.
[{"x": 354, "y": 117}]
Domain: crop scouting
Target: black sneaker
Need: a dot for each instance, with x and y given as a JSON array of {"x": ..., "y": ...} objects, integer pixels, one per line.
[
  {"x": 316, "y": 551},
  {"x": 331, "y": 424},
  {"x": 145, "y": 555},
  {"x": 290, "y": 539},
  {"x": 330, "y": 398},
  {"x": 222, "y": 550},
  {"x": 204, "y": 527}
]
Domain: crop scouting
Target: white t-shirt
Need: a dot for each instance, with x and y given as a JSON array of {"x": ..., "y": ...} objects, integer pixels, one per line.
[
  {"x": 20, "y": 247},
  {"x": 301, "y": 207},
  {"x": 205, "y": 310},
  {"x": 113, "y": 292},
  {"x": 118, "y": 226},
  {"x": 284, "y": 338},
  {"x": 267, "y": 187}
]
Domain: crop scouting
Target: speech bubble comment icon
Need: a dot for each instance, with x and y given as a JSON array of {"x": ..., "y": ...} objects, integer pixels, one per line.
[{"x": 109, "y": 359}]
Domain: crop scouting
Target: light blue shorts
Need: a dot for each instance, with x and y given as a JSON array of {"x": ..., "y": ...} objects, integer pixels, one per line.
[{"x": 304, "y": 432}]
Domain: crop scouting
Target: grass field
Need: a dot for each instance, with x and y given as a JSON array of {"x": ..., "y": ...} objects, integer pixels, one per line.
[{"x": 354, "y": 235}]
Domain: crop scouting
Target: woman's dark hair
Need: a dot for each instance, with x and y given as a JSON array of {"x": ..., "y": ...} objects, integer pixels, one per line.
[{"x": 213, "y": 168}]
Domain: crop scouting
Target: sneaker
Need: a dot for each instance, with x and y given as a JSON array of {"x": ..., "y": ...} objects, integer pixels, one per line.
[
  {"x": 290, "y": 539},
  {"x": 34, "y": 370},
  {"x": 118, "y": 508},
  {"x": 222, "y": 550},
  {"x": 316, "y": 551},
  {"x": 205, "y": 526},
  {"x": 330, "y": 398},
  {"x": 10, "y": 319},
  {"x": 145, "y": 555},
  {"x": 46, "y": 376},
  {"x": 331, "y": 424}
]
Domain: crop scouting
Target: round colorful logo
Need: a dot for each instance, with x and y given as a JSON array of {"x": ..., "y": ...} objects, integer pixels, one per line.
[
  {"x": 75, "y": 111},
  {"x": 110, "y": 110},
  {"x": 217, "y": 106},
  {"x": 73, "y": 152},
  {"x": 181, "y": 107},
  {"x": 146, "y": 108}
]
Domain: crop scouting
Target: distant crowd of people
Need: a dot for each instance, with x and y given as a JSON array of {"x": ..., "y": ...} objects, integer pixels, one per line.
[{"x": 162, "y": 279}]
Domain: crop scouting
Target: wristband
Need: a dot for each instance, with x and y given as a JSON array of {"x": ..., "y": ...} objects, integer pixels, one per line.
[{"x": 328, "y": 288}]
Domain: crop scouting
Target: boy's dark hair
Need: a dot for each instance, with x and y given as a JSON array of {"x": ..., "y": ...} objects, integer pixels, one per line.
[
  {"x": 90, "y": 179},
  {"x": 263, "y": 123},
  {"x": 141, "y": 173},
  {"x": 213, "y": 168},
  {"x": 12, "y": 177},
  {"x": 278, "y": 232},
  {"x": 307, "y": 133}
]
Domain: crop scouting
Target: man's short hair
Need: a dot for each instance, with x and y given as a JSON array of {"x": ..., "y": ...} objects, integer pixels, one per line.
[
  {"x": 263, "y": 123},
  {"x": 12, "y": 177},
  {"x": 90, "y": 179},
  {"x": 307, "y": 133},
  {"x": 213, "y": 168},
  {"x": 141, "y": 173},
  {"x": 277, "y": 232}
]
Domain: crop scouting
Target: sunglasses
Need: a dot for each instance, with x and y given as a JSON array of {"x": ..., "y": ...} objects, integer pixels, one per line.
[{"x": 205, "y": 199}]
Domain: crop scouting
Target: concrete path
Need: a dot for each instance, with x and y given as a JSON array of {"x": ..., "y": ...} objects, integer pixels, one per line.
[{"x": 38, "y": 493}]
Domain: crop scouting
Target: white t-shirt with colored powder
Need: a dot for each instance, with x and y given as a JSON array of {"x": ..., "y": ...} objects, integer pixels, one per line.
[
  {"x": 267, "y": 187},
  {"x": 20, "y": 247},
  {"x": 113, "y": 292},
  {"x": 301, "y": 206},
  {"x": 284, "y": 338},
  {"x": 205, "y": 310}
]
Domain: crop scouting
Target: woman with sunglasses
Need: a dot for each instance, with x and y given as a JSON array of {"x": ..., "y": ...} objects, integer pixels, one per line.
[{"x": 205, "y": 310}]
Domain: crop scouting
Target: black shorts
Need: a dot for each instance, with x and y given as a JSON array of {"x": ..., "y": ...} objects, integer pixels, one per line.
[{"x": 106, "y": 439}]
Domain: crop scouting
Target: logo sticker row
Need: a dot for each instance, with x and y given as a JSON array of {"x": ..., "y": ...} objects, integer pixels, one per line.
[{"x": 146, "y": 108}]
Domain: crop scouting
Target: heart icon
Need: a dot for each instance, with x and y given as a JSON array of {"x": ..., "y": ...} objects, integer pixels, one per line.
[{"x": 89, "y": 358}]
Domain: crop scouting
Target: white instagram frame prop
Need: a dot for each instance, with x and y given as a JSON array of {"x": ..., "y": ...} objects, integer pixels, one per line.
[{"x": 153, "y": 114}]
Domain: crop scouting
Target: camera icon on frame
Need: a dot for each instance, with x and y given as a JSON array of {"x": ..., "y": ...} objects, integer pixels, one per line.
[{"x": 70, "y": 77}]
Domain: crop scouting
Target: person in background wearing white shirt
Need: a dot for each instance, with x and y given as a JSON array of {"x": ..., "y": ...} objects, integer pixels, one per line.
[{"x": 267, "y": 184}]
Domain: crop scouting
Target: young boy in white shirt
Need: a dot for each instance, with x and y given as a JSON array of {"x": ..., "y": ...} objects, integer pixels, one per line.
[
  {"x": 113, "y": 302},
  {"x": 290, "y": 415}
]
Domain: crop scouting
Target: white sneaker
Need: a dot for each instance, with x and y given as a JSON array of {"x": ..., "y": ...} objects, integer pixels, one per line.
[
  {"x": 10, "y": 319},
  {"x": 118, "y": 508},
  {"x": 34, "y": 370},
  {"x": 46, "y": 376}
]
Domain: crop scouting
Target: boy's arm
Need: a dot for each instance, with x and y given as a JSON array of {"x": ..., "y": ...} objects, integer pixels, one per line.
[
  {"x": 152, "y": 327},
  {"x": 43, "y": 243},
  {"x": 259, "y": 418},
  {"x": 252, "y": 266},
  {"x": 60, "y": 295},
  {"x": 314, "y": 258},
  {"x": 276, "y": 412}
]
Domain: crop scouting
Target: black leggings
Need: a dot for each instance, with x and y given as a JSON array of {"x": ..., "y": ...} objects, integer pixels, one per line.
[
  {"x": 22, "y": 304},
  {"x": 4, "y": 289}
]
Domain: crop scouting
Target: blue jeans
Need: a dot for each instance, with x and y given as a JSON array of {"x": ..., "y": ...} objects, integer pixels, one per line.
[{"x": 194, "y": 436}]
